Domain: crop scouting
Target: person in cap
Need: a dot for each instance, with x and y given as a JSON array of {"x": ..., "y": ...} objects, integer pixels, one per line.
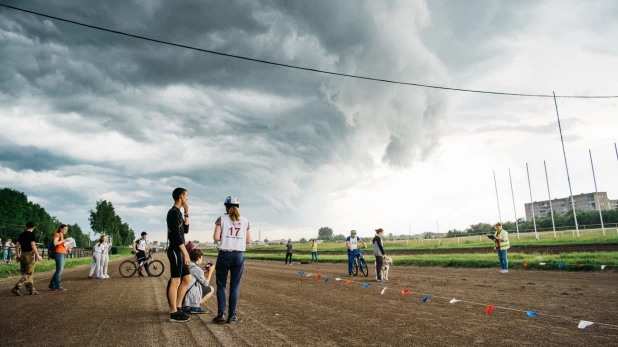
[
  {"x": 351, "y": 242},
  {"x": 501, "y": 245},
  {"x": 140, "y": 246},
  {"x": 26, "y": 260},
  {"x": 233, "y": 233},
  {"x": 378, "y": 252}
]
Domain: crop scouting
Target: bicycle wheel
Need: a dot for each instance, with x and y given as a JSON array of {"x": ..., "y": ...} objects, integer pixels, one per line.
[
  {"x": 355, "y": 266},
  {"x": 363, "y": 266},
  {"x": 155, "y": 268},
  {"x": 127, "y": 268}
]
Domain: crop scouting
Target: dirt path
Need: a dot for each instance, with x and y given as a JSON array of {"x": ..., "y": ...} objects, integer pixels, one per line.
[{"x": 276, "y": 311}]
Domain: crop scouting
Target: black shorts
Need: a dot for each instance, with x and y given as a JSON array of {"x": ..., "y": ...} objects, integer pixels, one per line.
[
  {"x": 178, "y": 268},
  {"x": 206, "y": 290}
]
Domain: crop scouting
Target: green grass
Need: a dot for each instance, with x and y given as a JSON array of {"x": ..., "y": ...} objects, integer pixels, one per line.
[
  {"x": 564, "y": 238},
  {"x": 8, "y": 270},
  {"x": 571, "y": 261}
]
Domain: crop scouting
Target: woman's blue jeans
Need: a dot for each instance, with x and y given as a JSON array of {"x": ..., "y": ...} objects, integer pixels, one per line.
[
  {"x": 314, "y": 256},
  {"x": 504, "y": 262},
  {"x": 234, "y": 264},
  {"x": 60, "y": 259}
]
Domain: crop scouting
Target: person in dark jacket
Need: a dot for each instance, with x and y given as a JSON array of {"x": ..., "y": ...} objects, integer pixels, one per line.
[
  {"x": 378, "y": 252},
  {"x": 289, "y": 249}
]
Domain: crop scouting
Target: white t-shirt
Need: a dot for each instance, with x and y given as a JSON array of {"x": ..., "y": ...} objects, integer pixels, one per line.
[
  {"x": 141, "y": 245},
  {"x": 234, "y": 234},
  {"x": 353, "y": 242},
  {"x": 98, "y": 248}
]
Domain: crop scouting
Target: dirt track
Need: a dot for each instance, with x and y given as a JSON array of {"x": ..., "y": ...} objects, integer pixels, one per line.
[
  {"x": 278, "y": 312},
  {"x": 612, "y": 247}
]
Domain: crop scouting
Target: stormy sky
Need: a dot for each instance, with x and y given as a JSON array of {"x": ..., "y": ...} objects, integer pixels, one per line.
[{"x": 89, "y": 115}]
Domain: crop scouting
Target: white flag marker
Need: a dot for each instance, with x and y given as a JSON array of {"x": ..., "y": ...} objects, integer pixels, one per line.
[
  {"x": 337, "y": 279},
  {"x": 308, "y": 275},
  {"x": 584, "y": 323},
  {"x": 602, "y": 267},
  {"x": 383, "y": 291},
  {"x": 454, "y": 301}
]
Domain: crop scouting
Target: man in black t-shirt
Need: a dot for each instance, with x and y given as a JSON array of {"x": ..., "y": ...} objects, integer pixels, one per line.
[
  {"x": 178, "y": 256},
  {"x": 26, "y": 260}
]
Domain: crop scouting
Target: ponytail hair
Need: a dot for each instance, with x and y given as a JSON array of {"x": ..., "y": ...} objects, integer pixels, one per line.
[
  {"x": 233, "y": 212},
  {"x": 62, "y": 226}
]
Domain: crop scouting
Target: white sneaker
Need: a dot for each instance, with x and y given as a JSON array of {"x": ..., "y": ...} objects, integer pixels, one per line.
[
  {"x": 504, "y": 271},
  {"x": 106, "y": 276}
]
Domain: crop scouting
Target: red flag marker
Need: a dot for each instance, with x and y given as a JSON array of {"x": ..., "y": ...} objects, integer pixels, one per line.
[
  {"x": 405, "y": 291},
  {"x": 348, "y": 281},
  {"x": 525, "y": 264},
  {"x": 489, "y": 308},
  {"x": 318, "y": 277}
]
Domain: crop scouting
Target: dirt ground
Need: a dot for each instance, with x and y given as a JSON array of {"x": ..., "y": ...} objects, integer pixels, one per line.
[
  {"x": 277, "y": 311},
  {"x": 517, "y": 249}
]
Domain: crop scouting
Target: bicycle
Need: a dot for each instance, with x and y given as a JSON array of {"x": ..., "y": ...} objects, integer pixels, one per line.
[
  {"x": 154, "y": 268},
  {"x": 359, "y": 262}
]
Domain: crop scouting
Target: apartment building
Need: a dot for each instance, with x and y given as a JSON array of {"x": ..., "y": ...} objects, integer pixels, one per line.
[{"x": 583, "y": 202}]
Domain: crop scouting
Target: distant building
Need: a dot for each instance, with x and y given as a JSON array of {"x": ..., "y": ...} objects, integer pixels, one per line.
[
  {"x": 583, "y": 202},
  {"x": 613, "y": 204}
]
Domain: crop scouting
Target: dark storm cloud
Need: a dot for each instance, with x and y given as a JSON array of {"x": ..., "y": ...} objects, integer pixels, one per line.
[
  {"x": 30, "y": 158},
  {"x": 260, "y": 129}
]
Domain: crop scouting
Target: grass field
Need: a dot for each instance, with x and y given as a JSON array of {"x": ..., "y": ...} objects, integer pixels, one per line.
[
  {"x": 587, "y": 237},
  {"x": 8, "y": 270},
  {"x": 571, "y": 261}
]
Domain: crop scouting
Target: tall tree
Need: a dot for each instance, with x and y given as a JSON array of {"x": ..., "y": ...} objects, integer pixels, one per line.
[
  {"x": 103, "y": 218},
  {"x": 325, "y": 233}
]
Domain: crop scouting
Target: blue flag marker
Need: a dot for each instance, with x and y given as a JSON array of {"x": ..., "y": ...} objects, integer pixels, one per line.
[
  {"x": 532, "y": 314},
  {"x": 426, "y": 297},
  {"x": 560, "y": 266},
  {"x": 326, "y": 279},
  {"x": 366, "y": 285},
  {"x": 301, "y": 273}
]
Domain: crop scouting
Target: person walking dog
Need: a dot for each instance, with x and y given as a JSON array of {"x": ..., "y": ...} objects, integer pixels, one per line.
[
  {"x": 233, "y": 234},
  {"x": 378, "y": 252}
]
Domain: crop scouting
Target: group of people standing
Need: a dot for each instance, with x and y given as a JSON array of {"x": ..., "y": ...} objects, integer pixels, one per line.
[
  {"x": 26, "y": 253},
  {"x": 100, "y": 259},
  {"x": 232, "y": 232}
]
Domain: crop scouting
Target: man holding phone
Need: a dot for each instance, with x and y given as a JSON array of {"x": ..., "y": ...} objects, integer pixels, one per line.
[{"x": 177, "y": 227}]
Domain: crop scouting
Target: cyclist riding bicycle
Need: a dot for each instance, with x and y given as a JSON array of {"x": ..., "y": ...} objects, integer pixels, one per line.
[
  {"x": 351, "y": 242},
  {"x": 139, "y": 247}
]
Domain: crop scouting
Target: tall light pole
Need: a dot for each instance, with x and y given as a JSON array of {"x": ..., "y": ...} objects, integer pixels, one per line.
[
  {"x": 597, "y": 201},
  {"x": 497, "y": 199},
  {"x": 551, "y": 207},
  {"x": 514, "y": 209},
  {"x": 536, "y": 236},
  {"x": 567, "y": 167}
]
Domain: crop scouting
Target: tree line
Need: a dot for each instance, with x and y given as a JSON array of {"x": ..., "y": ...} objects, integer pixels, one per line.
[
  {"x": 16, "y": 211},
  {"x": 585, "y": 219}
]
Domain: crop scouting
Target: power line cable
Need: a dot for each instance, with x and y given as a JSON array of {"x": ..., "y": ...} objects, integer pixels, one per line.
[{"x": 305, "y": 68}]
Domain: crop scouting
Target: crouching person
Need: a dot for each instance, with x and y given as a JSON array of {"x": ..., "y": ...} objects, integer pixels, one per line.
[{"x": 199, "y": 291}]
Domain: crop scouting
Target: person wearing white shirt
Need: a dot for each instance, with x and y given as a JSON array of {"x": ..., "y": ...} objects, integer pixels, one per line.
[
  {"x": 97, "y": 250},
  {"x": 105, "y": 248},
  {"x": 139, "y": 247},
  {"x": 233, "y": 233}
]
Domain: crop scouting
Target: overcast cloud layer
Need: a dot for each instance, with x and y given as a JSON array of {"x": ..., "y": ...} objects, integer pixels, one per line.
[{"x": 88, "y": 115}]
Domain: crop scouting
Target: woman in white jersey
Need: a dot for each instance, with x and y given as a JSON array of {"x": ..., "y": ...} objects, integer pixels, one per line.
[
  {"x": 96, "y": 259},
  {"x": 233, "y": 234}
]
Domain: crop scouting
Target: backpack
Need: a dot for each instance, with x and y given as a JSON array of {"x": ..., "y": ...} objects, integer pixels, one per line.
[{"x": 51, "y": 250}]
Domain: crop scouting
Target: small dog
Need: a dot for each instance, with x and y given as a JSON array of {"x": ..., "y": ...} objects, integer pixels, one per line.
[{"x": 386, "y": 264}]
